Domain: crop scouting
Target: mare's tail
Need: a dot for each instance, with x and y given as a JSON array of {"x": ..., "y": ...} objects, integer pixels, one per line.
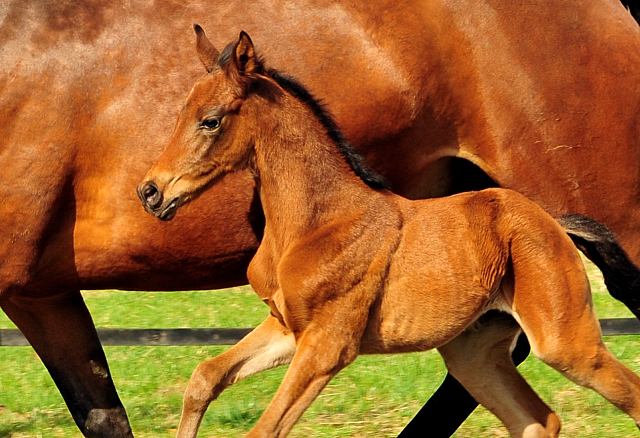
[
  {"x": 599, "y": 244},
  {"x": 634, "y": 10}
]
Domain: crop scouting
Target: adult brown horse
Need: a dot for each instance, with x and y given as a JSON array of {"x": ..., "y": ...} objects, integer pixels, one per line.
[
  {"x": 541, "y": 97},
  {"x": 349, "y": 268}
]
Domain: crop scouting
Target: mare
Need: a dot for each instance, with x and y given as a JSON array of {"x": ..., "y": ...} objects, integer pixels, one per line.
[
  {"x": 541, "y": 97},
  {"x": 348, "y": 267}
]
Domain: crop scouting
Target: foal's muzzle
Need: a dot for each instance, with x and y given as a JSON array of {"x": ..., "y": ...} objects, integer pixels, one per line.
[{"x": 153, "y": 201}]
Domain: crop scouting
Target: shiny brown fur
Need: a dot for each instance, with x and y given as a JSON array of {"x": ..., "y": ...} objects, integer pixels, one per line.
[
  {"x": 542, "y": 97},
  {"x": 350, "y": 268}
]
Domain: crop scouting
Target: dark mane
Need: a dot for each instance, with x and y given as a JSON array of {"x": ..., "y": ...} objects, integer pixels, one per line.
[
  {"x": 226, "y": 55},
  {"x": 296, "y": 89},
  {"x": 353, "y": 158}
]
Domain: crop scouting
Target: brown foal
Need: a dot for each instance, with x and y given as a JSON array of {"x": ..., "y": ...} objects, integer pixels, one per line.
[{"x": 348, "y": 268}]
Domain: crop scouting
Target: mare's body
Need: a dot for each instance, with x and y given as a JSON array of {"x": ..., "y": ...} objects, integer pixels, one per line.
[
  {"x": 350, "y": 268},
  {"x": 89, "y": 92}
]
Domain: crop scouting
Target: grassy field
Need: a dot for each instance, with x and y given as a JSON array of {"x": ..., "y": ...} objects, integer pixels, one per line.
[{"x": 374, "y": 397}]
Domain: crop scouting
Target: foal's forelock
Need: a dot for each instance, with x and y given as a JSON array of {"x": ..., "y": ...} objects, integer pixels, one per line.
[{"x": 226, "y": 56}]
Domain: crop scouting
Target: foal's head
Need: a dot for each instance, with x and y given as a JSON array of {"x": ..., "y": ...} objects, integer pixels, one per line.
[
  {"x": 210, "y": 139},
  {"x": 216, "y": 130}
]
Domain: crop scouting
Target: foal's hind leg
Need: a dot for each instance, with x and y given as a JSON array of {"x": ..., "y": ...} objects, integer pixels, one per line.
[
  {"x": 571, "y": 342},
  {"x": 551, "y": 300},
  {"x": 451, "y": 404},
  {"x": 480, "y": 359},
  {"x": 269, "y": 345}
]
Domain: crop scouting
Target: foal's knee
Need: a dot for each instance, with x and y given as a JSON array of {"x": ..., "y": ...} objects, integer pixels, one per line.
[{"x": 205, "y": 385}]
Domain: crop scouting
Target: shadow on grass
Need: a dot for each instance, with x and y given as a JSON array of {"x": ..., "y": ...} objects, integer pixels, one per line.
[
  {"x": 242, "y": 419},
  {"x": 14, "y": 423}
]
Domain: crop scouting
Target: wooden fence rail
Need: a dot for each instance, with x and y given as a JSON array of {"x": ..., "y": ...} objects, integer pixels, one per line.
[
  {"x": 230, "y": 336},
  {"x": 150, "y": 337}
]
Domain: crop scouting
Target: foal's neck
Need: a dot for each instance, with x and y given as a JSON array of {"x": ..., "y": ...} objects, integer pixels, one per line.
[{"x": 303, "y": 178}]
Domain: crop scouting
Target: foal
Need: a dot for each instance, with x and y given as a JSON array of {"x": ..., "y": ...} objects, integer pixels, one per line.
[{"x": 349, "y": 268}]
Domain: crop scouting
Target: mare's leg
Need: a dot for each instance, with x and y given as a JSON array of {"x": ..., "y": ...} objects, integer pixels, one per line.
[
  {"x": 61, "y": 331},
  {"x": 268, "y": 346},
  {"x": 451, "y": 404},
  {"x": 38, "y": 205},
  {"x": 480, "y": 359}
]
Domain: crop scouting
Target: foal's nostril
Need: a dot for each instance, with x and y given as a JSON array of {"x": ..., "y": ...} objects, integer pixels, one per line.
[{"x": 150, "y": 195}]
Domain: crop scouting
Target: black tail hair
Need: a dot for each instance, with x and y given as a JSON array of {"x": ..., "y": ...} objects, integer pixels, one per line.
[
  {"x": 600, "y": 245},
  {"x": 633, "y": 9}
]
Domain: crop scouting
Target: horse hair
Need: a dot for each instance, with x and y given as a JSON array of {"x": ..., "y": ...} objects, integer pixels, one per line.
[
  {"x": 322, "y": 114},
  {"x": 599, "y": 244},
  {"x": 353, "y": 158}
]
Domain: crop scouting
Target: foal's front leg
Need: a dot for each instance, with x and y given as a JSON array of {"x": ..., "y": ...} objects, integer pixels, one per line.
[
  {"x": 268, "y": 346},
  {"x": 327, "y": 345}
]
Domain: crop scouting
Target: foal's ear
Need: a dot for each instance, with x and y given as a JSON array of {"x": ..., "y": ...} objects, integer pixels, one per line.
[
  {"x": 244, "y": 56},
  {"x": 207, "y": 53}
]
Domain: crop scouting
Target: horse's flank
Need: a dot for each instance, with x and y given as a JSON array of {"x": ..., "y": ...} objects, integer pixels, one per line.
[{"x": 419, "y": 79}]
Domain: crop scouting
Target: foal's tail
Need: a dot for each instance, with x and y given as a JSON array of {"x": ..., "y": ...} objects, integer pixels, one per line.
[{"x": 599, "y": 244}]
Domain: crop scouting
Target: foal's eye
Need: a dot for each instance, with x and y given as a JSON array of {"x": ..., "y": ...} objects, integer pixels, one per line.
[{"x": 211, "y": 124}]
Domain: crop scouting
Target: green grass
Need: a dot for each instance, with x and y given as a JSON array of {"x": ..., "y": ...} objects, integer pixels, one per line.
[{"x": 374, "y": 397}]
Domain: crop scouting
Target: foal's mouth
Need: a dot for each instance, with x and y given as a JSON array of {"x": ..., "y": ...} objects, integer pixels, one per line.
[
  {"x": 169, "y": 212},
  {"x": 154, "y": 203}
]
